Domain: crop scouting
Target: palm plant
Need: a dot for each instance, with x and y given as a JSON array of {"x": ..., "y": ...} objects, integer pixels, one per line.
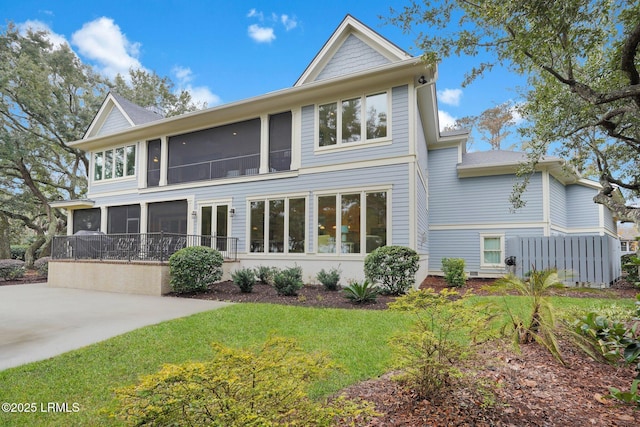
[{"x": 539, "y": 322}]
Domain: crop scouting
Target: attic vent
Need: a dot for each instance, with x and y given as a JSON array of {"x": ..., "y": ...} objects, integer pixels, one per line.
[{"x": 473, "y": 274}]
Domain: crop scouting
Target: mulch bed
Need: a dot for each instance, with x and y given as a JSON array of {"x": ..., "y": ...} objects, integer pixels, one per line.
[{"x": 531, "y": 388}]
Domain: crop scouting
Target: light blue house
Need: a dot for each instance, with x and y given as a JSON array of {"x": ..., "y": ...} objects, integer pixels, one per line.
[{"x": 347, "y": 160}]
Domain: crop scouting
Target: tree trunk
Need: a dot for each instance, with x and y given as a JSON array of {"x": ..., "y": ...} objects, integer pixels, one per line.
[{"x": 5, "y": 243}]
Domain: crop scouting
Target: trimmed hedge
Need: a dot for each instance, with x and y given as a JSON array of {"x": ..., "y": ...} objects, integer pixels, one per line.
[{"x": 193, "y": 268}]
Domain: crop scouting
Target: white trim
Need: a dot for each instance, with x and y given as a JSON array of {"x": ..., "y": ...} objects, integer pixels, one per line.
[
  {"x": 296, "y": 138},
  {"x": 468, "y": 226},
  {"x": 546, "y": 203},
  {"x": 484, "y": 236},
  {"x": 413, "y": 217},
  {"x": 358, "y": 164},
  {"x": 164, "y": 161},
  {"x": 264, "y": 143}
]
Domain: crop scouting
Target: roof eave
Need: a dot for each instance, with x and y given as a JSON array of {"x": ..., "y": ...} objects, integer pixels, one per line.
[{"x": 394, "y": 73}]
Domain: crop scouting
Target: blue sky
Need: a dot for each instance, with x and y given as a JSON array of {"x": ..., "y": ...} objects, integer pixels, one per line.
[{"x": 223, "y": 51}]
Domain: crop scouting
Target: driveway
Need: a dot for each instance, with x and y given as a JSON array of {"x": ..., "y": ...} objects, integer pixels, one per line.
[{"x": 38, "y": 322}]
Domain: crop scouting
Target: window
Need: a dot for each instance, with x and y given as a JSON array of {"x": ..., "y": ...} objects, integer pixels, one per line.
[
  {"x": 351, "y": 222},
  {"x": 116, "y": 163},
  {"x": 281, "y": 221},
  {"x": 358, "y": 119},
  {"x": 492, "y": 250}
]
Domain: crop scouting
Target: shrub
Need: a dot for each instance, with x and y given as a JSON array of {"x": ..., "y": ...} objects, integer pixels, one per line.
[
  {"x": 439, "y": 341},
  {"x": 244, "y": 278},
  {"x": 361, "y": 293},
  {"x": 453, "y": 269},
  {"x": 265, "y": 274},
  {"x": 329, "y": 279},
  {"x": 19, "y": 251},
  {"x": 239, "y": 388},
  {"x": 11, "y": 269},
  {"x": 194, "y": 268},
  {"x": 288, "y": 281},
  {"x": 42, "y": 265},
  {"x": 539, "y": 322},
  {"x": 631, "y": 266},
  {"x": 393, "y": 268}
]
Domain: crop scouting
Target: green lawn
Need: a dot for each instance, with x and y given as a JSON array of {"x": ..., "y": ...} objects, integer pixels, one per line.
[{"x": 355, "y": 338}]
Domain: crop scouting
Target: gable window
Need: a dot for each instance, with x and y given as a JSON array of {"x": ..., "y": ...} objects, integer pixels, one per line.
[
  {"x": 278, "y": 225},
  {"x": 353, "y": 120},
  {"x": 492, "y": 250},
  {"x": 119, "y": 162},
  {"x": 351, "y": 222}
]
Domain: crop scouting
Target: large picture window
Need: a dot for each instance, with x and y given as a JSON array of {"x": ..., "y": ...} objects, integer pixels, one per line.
[
  {"x": 351, "y": 222},
  {"x": 278, "y": 225},
  {"x": 115, "y": 163},
  {"x": 358, "y": 119}
]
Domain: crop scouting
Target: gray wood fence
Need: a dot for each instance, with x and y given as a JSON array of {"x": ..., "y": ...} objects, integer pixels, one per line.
[{"x": 592, "y": 261}]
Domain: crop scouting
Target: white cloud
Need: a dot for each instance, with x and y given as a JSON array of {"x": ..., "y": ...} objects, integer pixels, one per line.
[
  {"x": 261, "y": 34},
  {"x": 445, "y": 119},
  {"x": 200, "y": 94},
  {"x": 289, "y": 23},
  {"x": 102, "y": 41},
  {"x": 35, "y": 25},
  {"x": 450, "y": 96},
  {"x": 255, "y": 14}
]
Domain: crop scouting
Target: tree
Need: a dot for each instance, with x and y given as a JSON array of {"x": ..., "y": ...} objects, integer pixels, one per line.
[
  {"x": 581, "y": 59},
  {"x": 47, "y": 97},
  {"x": 493, "y": 124},
  {"x": 149, "y": 90}
]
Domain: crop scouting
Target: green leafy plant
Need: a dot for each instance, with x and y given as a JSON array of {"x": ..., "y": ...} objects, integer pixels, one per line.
[
  {"x": 631, "y": 266},
  {"x": 288, "y": 281},
  {"x": 430, "y": 354},
  {"x": 238, "y": 387},
  {"x": 361, "y": 292},
  {"x": 265, "y": 274},
  {"x": 193, "y": 268},
  {"x": 631, "y": 396},
  {"x": 539, "y": 322},
  {"x": 453, "y": 269},
  {"x": 11, "y": 269},
  {"x": 393, "y": 268},
  {"x": 329, "y": 279},
  {"x": 244, "y": 278}
]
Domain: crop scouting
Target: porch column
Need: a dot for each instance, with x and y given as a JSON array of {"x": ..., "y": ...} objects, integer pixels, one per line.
[
  {"x": 264, "y": 143},
  {"x": 103, "y": 219},
  {"x": 144, "y": 209},
  {"x": 164, "y": 160}
]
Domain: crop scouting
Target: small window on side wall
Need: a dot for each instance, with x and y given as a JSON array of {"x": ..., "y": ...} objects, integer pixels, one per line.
[{"x": 492, "y": 250}]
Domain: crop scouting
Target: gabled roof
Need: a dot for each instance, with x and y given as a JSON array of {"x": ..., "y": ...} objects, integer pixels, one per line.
[
  {"x": 355, "y": 47},
  {"x": 119, "y": 113}
]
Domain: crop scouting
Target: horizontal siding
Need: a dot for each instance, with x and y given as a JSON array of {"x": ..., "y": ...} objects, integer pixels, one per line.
[
  {"x": 422, "y": 217},
  {"x": 582, "y": 210},
  {"x": 399, "y": 134},
  {"x": 114, "y": 122},
  {"x": 558, "y": 203},
  {"x": 354, "y": 55},
  {"x": 477, "y": 200},
  {"x": 394, "y": 176},
  {"x": 465, "y": 243}
]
